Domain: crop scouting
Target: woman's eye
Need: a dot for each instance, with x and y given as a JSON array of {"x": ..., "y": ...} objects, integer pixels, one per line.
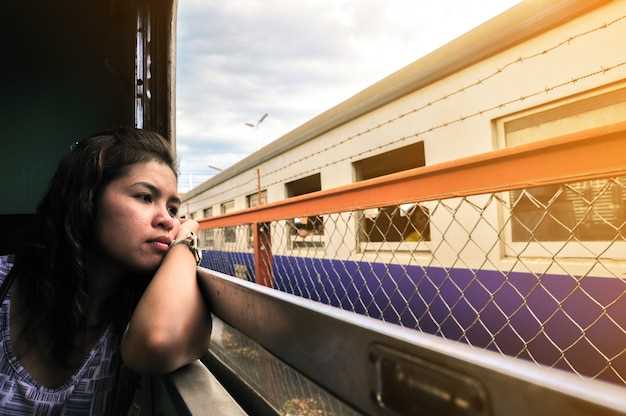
[
  {"x": 173, "y": 211},
  {"x": 145, "y": 197}
]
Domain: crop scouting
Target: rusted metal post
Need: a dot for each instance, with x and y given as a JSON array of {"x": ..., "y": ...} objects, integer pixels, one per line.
[{"x": 263, "y": 254}]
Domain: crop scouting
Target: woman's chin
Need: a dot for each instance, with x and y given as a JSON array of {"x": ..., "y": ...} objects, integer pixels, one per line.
[{"x": 146, "y": 265}]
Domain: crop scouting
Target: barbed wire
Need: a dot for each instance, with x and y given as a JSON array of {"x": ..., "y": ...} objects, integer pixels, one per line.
[
  {"x": 462, "y": 89},
  {"x": 545, "y": 90},
  {"x": 479, "y": 82}
]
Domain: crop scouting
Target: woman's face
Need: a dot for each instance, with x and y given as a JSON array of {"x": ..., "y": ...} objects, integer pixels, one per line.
[{"x": 137, "y": 216}]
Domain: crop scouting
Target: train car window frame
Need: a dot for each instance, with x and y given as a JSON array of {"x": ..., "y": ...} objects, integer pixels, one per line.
[
  {"x": 591, "y": 109},
  {"x": 374, "y": 166},
  {"x": 229, "y": 235},
  {"x": 207, "y": 237},
  {"x": 305, "y": 232},
  {"x": 253, "y": 200}
]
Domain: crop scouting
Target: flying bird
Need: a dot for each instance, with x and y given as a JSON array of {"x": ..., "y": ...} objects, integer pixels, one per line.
[{"x": 255, "y": 125}]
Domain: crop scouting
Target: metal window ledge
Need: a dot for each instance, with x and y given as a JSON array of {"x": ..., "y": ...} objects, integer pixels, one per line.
[{"x": 386, "y": 370}]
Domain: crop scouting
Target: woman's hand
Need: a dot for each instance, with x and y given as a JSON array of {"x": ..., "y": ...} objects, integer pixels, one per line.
[{"x": 187, "y": 226}]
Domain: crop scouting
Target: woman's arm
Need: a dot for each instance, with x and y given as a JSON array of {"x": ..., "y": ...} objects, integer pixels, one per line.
[{"x": 171, "y": 324}]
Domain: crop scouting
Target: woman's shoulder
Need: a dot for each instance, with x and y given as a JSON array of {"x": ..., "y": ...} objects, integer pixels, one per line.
[{"x": 6, "y": 264}]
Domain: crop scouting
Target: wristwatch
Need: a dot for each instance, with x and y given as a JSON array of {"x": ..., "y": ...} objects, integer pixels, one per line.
[{"x": 191, "y": 241}]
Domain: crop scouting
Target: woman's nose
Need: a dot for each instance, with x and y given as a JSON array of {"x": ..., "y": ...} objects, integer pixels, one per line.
[{"x": 164, "y": 220}]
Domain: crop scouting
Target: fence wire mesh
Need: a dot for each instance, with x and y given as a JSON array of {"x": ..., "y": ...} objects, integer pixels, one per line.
[{"x": 537, "y": 273}]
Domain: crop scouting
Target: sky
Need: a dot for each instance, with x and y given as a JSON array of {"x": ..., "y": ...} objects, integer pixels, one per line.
[{"x": 240, "y": 59}]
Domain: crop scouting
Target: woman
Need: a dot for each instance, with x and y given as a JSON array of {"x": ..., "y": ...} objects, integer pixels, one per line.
[{"x": 109, "y": 279}]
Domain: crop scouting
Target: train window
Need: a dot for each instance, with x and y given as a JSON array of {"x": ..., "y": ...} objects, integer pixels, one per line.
[
  {"x": 586, "y": 211},
  {"x": 253, "y": 200},
  {"x": 305, "y": 232},
  {"x": 207, "y": 236},
  {"x": 256, "y": 199},
  {"x": 230, "y": 233},
  {"x": 406, "y": 223}
]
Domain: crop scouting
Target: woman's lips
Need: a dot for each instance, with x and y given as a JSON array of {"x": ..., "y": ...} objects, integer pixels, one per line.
[{"x": 160, "y": 244}]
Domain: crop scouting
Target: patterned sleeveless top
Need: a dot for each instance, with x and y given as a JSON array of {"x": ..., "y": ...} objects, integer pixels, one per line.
[{"x": 87, "y": 392}]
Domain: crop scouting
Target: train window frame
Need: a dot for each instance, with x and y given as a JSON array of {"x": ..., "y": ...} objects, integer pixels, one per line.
[
  {"x": 253, "y": 200},
  {"x": 310, "y": 241},
  {"x": 227, "y": 207},
  {"x": 207, "y": 236},
  {"x": 363, "y": 172},
  {"x": 539, "y": 123}
]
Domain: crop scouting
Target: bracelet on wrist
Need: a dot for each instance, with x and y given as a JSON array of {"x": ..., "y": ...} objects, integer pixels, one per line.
[{"x": 191, "y": 241}]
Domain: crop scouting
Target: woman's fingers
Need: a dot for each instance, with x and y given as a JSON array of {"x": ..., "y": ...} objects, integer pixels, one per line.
[{"x": 187, "y": 226}]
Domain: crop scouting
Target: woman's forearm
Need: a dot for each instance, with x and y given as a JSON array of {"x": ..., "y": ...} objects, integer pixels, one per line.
[{"x": 171, "y": 324}]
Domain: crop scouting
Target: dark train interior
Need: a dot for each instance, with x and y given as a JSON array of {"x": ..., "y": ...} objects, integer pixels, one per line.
[{"x": 69, "y": 70}]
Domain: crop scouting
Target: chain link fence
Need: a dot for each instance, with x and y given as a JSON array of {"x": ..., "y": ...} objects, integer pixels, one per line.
[{"x": 536, "y": 273}]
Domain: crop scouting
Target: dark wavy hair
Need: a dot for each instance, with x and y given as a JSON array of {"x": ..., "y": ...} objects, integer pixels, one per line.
[{"x": 51, "y": 269}]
